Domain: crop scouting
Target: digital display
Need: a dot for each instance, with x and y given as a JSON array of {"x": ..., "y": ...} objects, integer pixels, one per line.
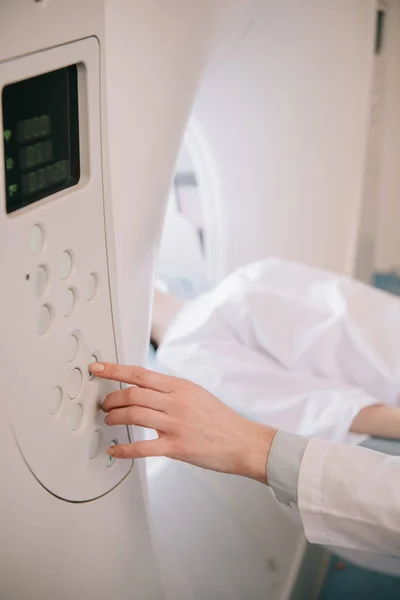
[{"x": 41, "y": 136}]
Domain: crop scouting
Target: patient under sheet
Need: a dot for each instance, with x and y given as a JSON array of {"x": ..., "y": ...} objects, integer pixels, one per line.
[{"x": 291, "y": 346}]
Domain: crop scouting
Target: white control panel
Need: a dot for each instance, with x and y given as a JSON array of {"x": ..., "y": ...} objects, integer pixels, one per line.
[{"x": 58, "y": 318}]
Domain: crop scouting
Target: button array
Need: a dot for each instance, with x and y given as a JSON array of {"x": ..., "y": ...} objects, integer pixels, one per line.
[
  {"x": 66, "y": 268},
  {"x": 75, "y": 381}
]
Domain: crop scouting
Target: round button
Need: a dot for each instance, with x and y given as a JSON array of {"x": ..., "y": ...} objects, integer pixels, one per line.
[
  {"x": 72, "y": 348},
  {"x": 44, "y": 320},
  {"x": 74, "y": 383},
  {"x": 55, "y": 400},
  {"x": 91, "y": 286},
  {"x": 36, "y": 239},
  {"x": 76, "y": 417},
  {"x": 66, "y": 264},
  {"x": 69, "y": 302},
  {"x": 93, "y": 359},
  {"x": 94, "y": 444},
  {"x": 110, "y": 460},
  {"x": 41, "y": 280}
]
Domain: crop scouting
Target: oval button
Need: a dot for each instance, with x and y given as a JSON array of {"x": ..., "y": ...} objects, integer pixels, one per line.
[
  {"x": 36, "y": 239},
  {"x": 72, "y": 348},
  {"x": 76, "y": 418},
  {"x": 41, "y": 280},
  {"x": 69, "y": 302},
  {"x": 110, "y": 460},
  {"x": 44, "y": 320},
  {"x": 91, "y": 286},
  {"x": 55, "y": 400},
  {"x": 74, "y": 383},
  {"x": 93, "y": 359},
  {"x": 66, "y": 264}
]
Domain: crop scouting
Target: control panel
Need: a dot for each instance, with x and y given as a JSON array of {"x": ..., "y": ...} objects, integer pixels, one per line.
[{"x": 55, "y": 271}]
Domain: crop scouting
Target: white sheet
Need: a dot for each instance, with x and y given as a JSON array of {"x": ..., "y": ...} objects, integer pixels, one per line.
[{"x": 295, "y": 347}]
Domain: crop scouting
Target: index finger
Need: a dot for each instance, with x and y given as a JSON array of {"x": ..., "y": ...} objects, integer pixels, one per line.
[{"x": 133, "y": 375}]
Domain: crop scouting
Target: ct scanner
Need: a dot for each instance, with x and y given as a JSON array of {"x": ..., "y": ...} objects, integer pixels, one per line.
[{"x": 290, "y": 111}]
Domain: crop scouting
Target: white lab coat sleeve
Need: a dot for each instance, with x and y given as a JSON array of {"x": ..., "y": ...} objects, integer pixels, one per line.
[
  {"x": 305, "y": 320},
  {"x": 349, "y": 497},
  {"x": 283, "y": 467}
]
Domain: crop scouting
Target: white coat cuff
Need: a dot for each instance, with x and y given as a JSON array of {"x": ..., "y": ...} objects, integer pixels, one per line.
[
  {"x": 310, "y": 497},
  {"x": 284, "y": 462}
]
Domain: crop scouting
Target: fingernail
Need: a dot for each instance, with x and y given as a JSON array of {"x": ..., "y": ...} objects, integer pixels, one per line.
[
  {"x": 110, "y": 451},
  {"x": 96, "y": 368}
]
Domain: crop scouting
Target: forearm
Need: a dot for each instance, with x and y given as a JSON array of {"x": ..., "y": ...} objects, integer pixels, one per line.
[
  {"x": 379, "y": 420},
  {"x": 278, "y": 462},
  {"x": 252, "y": 461}
]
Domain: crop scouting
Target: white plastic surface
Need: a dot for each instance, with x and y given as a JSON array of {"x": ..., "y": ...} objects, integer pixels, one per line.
[
  {"x": 279, "y": 135},
  {"x": 221, "y": 536},
  {"x": 94, "y": 444},
  {"x": 58, "y": 546},
  {"x": 74, "y": 224}
]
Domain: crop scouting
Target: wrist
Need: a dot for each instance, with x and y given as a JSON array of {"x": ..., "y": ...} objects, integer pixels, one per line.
[{"x": 260, "y": 440}]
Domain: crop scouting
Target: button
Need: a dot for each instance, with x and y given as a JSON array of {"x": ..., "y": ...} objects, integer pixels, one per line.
[
  {"x": 55, "y": 400},
  {"x": 74, "y": 383},
  {"x": 91, "y": 286},
  {"x": 44, "y": 320},
  {"x": 94, "y": 444},
  {"x": 66, "y": 264},
  {"x": 93, "y": 359},
  {"x": 110, "y": 460},
  {"x": 36, "y": 239},
  {"x": 69, "y": 302},
  {"x": 76, "y": 417},
  {"x": 72, "y": 348},
  {"x": 41, "y": 280}
]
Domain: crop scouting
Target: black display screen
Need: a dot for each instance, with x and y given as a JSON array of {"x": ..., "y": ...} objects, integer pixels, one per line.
[{"x": 41, "y": 136}]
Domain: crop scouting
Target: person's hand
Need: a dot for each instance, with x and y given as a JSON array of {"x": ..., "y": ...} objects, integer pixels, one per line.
[
  {"x": 378, "y": 420},
  {"x": 192, "y": 425}
]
